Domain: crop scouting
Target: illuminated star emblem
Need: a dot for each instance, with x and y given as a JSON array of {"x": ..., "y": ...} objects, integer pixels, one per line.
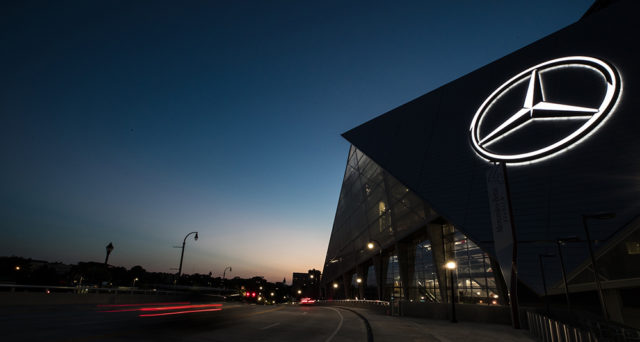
[
  {"x": 541, "y": 109},
  {"x": 536, "y": 107}
]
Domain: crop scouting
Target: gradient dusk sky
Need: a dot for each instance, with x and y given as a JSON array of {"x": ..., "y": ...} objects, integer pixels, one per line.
[{"x": 137, "y": 122}]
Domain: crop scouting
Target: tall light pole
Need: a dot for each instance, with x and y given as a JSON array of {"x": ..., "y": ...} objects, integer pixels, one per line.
[
  {"x": 225, "y": 271},
  {"x": 109, "y": 250},
  {"x": 182, "y": 254},
  {"x": 559, "y": 243},
  {"x": 594, "y": 265},
  {"x": 451, "y": 265},
  {"x": 544, "y": 280}
]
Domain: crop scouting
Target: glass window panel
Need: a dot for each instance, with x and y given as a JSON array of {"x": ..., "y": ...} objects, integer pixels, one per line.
[
  {"x": 425, "y": 276},
  {"x": 392, "y": 281},
  {"x": 475, "y": 282}
]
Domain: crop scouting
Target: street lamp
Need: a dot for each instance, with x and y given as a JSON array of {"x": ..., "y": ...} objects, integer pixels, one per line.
[
  {"x": 109, "y": 250},
  {"x": 559, "y": 243},
  {"x": 225, "y": 270},
  {"x": 335, "y": 285},
  {"x": 182, "y": 254},
  {"x": 451, "y": 265},
  {"x": 544, "y": 281},
  {"x": 601, "y": 216}
]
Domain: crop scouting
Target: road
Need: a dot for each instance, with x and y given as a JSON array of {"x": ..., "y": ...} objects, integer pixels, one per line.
[{"x": 230, "y": 322}]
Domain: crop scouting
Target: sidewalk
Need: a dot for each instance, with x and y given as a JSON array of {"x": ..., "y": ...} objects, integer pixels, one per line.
[{"x": 387, "y": 328}]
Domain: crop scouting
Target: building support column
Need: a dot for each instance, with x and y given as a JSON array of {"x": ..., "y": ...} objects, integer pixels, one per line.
[
  {"x": 434, "y": 231},
  {"x": 406, "y": 257},
  {"x": 380, "y": 264},
  {"x": 346, "y": 284},
  {"x": 501, "y": 285},
  {"x": 450, "y": 255},
  {"x": 614, "y": 305},
  {"x": 361, "y": 271}
]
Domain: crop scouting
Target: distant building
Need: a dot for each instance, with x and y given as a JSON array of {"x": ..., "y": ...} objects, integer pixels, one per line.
[{"x": 306, "y": 284}]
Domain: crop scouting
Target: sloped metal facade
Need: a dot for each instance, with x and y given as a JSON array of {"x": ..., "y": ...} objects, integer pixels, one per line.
[{"x": 425, "y": 150}]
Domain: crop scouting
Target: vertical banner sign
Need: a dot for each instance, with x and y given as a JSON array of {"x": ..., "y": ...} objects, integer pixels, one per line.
[
  {"x": 500, "y": 219},
  {"x": 504, "y": 233}
]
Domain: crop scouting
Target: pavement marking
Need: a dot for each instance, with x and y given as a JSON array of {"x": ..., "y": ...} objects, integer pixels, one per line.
[
  {"x": 270, "y": 326},
  {"x": 339, "y": 324}
]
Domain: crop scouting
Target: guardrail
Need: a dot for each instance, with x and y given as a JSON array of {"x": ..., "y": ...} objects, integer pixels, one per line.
[{"x": 549, "y": 330}]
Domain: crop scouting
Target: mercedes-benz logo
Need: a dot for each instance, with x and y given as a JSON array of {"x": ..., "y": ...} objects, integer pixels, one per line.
[{"x": 535, "y": 106}]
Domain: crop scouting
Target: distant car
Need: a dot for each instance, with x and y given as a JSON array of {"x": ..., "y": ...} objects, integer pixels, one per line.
[{"x": 307, "y": 301}]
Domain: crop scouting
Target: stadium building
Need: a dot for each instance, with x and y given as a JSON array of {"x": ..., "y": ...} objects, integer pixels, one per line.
[{"x": 538, "y": 150}]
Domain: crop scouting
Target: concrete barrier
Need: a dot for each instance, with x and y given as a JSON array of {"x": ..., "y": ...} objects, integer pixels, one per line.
[{"x": 371, "y": 305}]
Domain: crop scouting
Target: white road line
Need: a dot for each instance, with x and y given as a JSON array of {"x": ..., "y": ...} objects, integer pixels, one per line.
[
  {"x": 271, "y": 326},
  {"x": 339, "y": 324}
]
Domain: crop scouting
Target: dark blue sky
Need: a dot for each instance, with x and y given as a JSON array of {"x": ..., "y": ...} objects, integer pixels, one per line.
[{"x": 139, "y": 121}]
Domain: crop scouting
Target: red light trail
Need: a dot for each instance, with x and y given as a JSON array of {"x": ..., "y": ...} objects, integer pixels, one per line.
[
  {"x": 177, "y": 312},
  {"x": 141, "y": 304},
  {"x": 166, "y": 307}
]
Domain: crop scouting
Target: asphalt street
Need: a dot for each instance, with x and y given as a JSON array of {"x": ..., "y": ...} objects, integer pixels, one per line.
[{"x": 234, "y": 322}]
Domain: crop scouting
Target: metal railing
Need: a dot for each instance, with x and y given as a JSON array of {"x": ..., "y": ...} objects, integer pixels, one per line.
[
  {"x": 355, "y": 301},
  {"x": 549, "y": 330}
]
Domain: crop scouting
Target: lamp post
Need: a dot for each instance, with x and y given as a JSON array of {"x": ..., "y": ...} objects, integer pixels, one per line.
[
  {"x": 133, "y": 285},
  {"x": 544, "y": 281},
  {"x": 225, "y": 271},
  {"x": 559, "y": 243},
  {"x": 109, "y": 250},
  {"x": 182, "y": 254},
  {"x": 451, "y": 265},
  {"x": 371, "y": 244},
  {"x": 594, "y": 265}
]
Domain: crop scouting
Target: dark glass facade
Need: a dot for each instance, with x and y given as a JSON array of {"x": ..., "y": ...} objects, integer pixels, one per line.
[
  {"x": 415, "y": 184},
  {"x": 376, "y": 207}
]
